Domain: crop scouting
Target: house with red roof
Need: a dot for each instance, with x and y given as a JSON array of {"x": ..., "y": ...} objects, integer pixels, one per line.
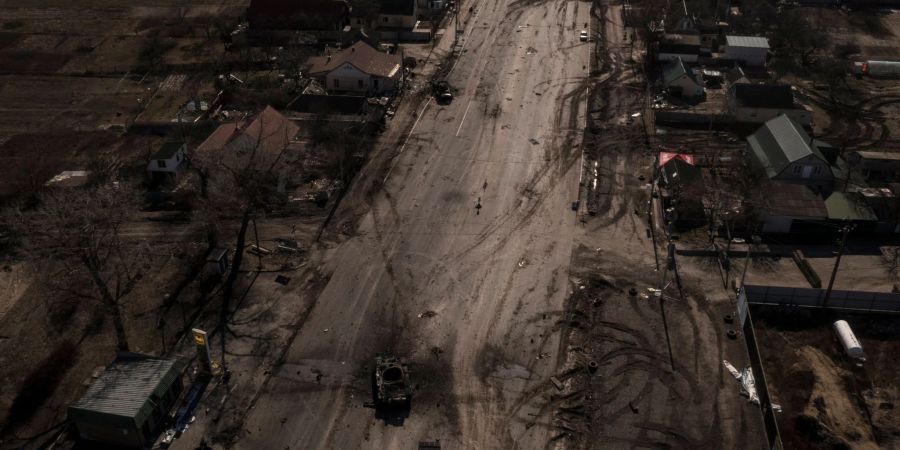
[{"x": 359, "y": 69}]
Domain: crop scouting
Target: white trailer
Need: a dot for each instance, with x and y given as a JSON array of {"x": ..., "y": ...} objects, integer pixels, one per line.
[{"x": 851, "y": 345}]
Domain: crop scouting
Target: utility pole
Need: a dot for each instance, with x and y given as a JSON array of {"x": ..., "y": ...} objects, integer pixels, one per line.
[
  {"x": 837, "y": 263},
  {"x": 754, "y": 240},
  {"x": 652, "y": 222}
]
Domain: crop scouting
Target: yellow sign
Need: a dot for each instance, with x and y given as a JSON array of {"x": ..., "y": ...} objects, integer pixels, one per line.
[{"x": 202, "y": 349}]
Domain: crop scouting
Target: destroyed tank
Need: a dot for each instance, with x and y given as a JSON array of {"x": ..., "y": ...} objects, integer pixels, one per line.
[{"x": 390, "y": 381}]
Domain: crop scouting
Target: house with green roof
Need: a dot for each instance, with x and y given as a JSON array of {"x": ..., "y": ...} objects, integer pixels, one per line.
[
  {"x": 783, "y": 150},
  {"x": 129, "y": 403},
  {"x": 680, "y": 81}
]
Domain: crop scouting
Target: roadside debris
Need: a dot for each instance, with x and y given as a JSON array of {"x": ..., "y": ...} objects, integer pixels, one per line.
[
  {"x": 426, "y": 315},
  {"x": 559, "y": 385},
  {"x": 282, "y": 280},
  {"x": 748, "y": 384},
  {"x": 542, "y": 355}
]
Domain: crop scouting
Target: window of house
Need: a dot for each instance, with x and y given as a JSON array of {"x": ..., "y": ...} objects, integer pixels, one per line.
[
  {"x": 161, "y": 163},
  {"x": 359, "y": 83},
  {"x": 337, "y": 83},
  {"x": 817, "y": 170},
  {"x": 797, "y": 169}
]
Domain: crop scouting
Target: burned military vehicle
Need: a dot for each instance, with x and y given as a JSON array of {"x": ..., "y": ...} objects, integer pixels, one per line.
[{"x": 390, "y": 383}]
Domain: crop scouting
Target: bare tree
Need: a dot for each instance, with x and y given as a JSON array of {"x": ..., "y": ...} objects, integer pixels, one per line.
[
  {"x": 241, "y": 180},
  {"x": 76, "y": 237}
]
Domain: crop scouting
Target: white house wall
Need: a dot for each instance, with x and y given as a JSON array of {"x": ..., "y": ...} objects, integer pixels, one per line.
[
  {"x": 348, "y": 78},
  {"x": 751, "y": 56}
]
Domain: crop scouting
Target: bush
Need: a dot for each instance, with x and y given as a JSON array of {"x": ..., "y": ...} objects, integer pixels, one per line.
[{"x": 41, "y": 383}]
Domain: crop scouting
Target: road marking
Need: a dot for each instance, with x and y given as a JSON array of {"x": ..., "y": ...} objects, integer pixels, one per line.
[
  {"x": 461, "y": 122},
  {"x": 405, "y": 140}
]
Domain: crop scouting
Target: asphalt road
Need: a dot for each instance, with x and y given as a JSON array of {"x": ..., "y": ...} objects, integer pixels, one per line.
[{"x": 496, "y": 277}]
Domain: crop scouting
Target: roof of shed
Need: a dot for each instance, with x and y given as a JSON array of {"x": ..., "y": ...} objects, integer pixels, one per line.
[
  {"x": 779, "y": 142},
  {"x": 794, "y": 200},
  {"x": 883, "y": 156},
  {"x": 849, "y": 206},
  {"x": 775, "y": 96},
  {"x": 747, "y": 41},
  {"x": 127, "y": 385},
  {"x": 398, "y": 7}
]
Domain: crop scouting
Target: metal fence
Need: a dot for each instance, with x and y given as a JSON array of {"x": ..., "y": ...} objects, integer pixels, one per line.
[
  {"x": 773, "y": 439},
  {"x": 815, "y": 298}
]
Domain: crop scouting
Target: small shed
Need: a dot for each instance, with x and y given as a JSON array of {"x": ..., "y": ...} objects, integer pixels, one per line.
[
  {"x": 168, "y": 159},
  {"x": 216, "y": 262},
  {"x": 749, "y": 50},
  {"x": 875, "y": 165},
  {"x": 129, "y": 403}
]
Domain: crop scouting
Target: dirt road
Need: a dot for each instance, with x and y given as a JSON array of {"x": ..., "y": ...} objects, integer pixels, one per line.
[{"x": 474, "y": 224}]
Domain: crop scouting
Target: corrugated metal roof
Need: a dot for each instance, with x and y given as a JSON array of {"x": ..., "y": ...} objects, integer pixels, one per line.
[
  {"x": 673, "y": 71},
  {"x": 774, "y": 96},
  {"x": 848, "y": 206},
  {"x": 747, "y": 41},
  {"x": 794, "y": 200},
  {"x": 779, "y": 142},
  {"x": 126, "y": 386},
  {"x": 885, "y": 156}
]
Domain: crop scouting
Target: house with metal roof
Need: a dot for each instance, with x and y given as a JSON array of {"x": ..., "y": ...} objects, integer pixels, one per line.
[
  {"x": 748, "y": 50},
  {"x": 358, "y": 69},
  {"x": 681, "y": 82},
  {"x": 785, "y": 152},
  {"x": 129, "y": 403},
  {"x": 757, "y": 103}
]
